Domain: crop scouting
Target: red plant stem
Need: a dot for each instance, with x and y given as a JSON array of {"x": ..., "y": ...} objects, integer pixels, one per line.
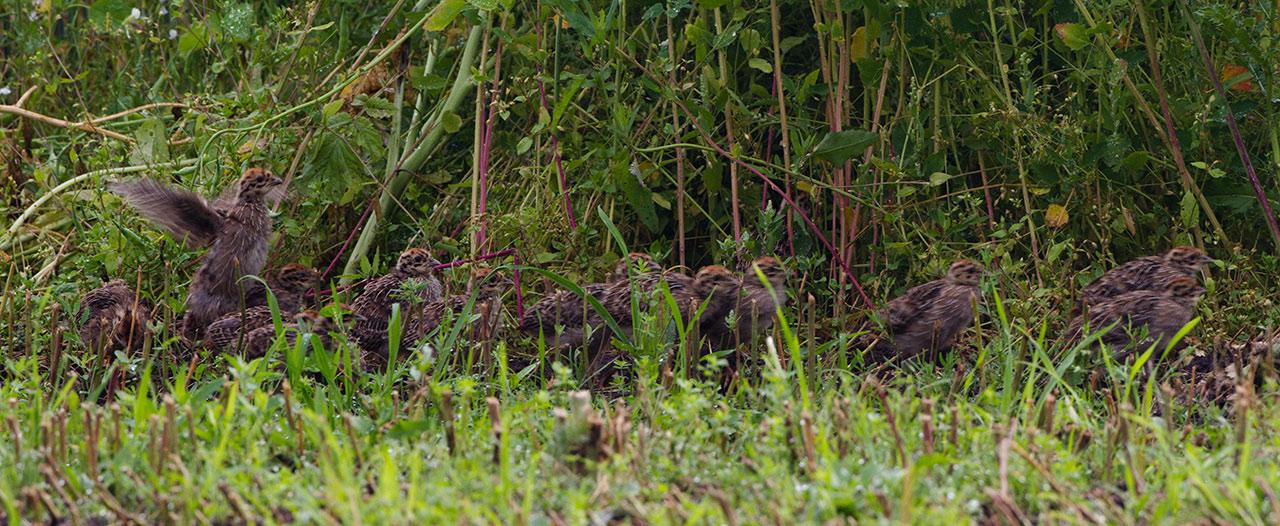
[
  {"x": 826, "y": 243},
  {"x": 1235, "y": 130},
  {"x": 341, "y": 251},
  {"x": 515, "y": 256},
  {"x": 555, "y": 146},
  {"x": 486, "y": 146}
]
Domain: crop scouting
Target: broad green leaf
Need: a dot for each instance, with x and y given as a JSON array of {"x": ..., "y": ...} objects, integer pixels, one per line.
[
  {"x": 939, "y": 178},
  {"x": 238, "y": 22},
  {"x": 838, "y": 147},
  {"x": 443, "y": 14},
  {"x": 760, "y": 64},
  {"x": 331, "y": 108},
  {"x": 451, "y": 121},
  {"x": 1075, "y": 36},
  {"x": 1190, "y": 210}
]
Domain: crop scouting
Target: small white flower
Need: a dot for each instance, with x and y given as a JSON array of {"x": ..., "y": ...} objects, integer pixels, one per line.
[
  {"x": 32, "y": 16},
  {"x": 5, "y": 91},
  {"x": 164, "y": 11},
  {"x": 173, "y": 33},
  {"x": 135, "y": 13}
]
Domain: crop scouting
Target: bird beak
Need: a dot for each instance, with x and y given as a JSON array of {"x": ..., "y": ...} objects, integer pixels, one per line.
[{"x": 276, "y": 181}]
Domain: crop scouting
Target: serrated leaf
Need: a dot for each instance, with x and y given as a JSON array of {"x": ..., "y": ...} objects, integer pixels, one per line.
[
  {"x": 838, "y": 147},
  {"x": 331, "y": 108},
  {"x": 1056, "y": 216},
  {"x": 760, "y": 64}
]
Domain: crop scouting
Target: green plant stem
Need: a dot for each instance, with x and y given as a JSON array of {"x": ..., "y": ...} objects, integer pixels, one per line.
[
  {"x": 1007, "y": 97},
  {"x": 53, "y": 192},
  {"x": 413, "y": 159}
]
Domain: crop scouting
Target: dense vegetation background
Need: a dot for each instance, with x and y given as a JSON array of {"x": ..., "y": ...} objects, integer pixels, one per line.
[{"x": 869, "y": 142}]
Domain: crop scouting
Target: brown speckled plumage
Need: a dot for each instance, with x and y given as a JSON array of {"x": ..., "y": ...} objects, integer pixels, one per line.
[
  {"x": 289, "y": 285},
  {"x": 754, "y": 307},
  {"x": 929, "y": 317},
  {"x": 1159, "y": 314},
  {"x": 635, "y": 263},
  {"x": 258, "y": 341},
  {"x": 237, "y": 237},
  {"x": 486, "y": 308},
  {"x": 114, "y": 318},
  {"x": 570, "y": 311},
  {"x": 1146, "y": 273},
  {"x": 372, "y": 309}
]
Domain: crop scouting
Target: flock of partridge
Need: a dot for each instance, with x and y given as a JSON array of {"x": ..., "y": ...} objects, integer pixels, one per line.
[{"x": 1142, "y": 302}]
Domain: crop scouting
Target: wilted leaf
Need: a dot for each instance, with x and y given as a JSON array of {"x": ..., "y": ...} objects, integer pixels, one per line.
[
  {"x": 858, "y": 44},
  {"x": 1237, "y": 77},
  {"x": 838, "y": 147},
  {"x": 1075, "y": 36},
  {"x": 1056, "y": 216}
]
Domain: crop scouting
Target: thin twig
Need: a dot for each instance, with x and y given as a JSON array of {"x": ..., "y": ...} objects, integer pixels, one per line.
[{"x": 88, "y": 127}]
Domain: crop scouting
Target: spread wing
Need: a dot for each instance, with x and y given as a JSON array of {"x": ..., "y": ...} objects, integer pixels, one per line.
[{"x": 185, "y": 215}]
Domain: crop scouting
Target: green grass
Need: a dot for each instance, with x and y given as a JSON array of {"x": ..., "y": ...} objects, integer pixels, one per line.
[{"x": 1030, "y": 136}]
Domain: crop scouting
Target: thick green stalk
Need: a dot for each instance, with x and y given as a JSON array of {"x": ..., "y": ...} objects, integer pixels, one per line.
[{"x": 413, "y": 159}]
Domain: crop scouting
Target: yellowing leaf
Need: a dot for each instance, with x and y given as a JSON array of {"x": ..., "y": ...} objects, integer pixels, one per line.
[
  {"x": 858, "y": 44},
  {"x": 1231, "y": 72},
  {"x": 1056, "y": 216},
  {"x": 1073, "y": 35}
]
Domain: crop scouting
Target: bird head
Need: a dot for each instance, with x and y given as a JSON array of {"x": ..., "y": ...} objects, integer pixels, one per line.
[
  {"x": 1185, "y": 290},
  {"x": 416, "y": 262},
  {"x": 1189, "y": 259},
  {"x": 297, "y": 278},
  {"x": 965, "y": 272},
  {"x": 715, "y": 278},
  {"x": 491, "y": 283},
  {"x": 772, "y": 269},
  {"x": 257, "y": 182},
  {"x": 312, "y": 321}
]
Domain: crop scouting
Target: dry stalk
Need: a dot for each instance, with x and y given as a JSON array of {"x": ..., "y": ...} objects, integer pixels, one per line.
[
  {"x": 495, "y": 425},
  {"x": 446, "y": 412}
]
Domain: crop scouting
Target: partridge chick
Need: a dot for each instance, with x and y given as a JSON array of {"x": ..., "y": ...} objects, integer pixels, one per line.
[
  {"x": 754, "y": 306},
  {"x": 258, "y": 341},
  {"x": 114, "y": 318},
  {"x": 237, "y": 237},
  {"x": 372, "y": 309},
  {"x": 1146, "y": 273},
  {"x": 713, "y": 289},
  {"x": 928, "y": 317},
  {"x": 636, "y": 262},
  {"x": 1141, "y": 317},
  {"x": 290, "y": 286},
  {"x": 486, "y": 307}
]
